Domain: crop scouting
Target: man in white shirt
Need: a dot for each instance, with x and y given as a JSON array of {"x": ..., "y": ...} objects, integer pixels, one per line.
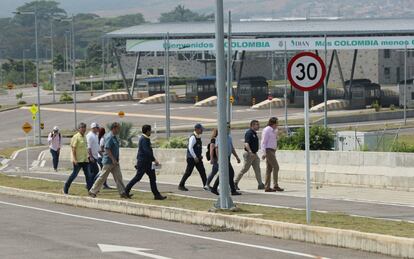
[
  {"x": 194, "y": 158},
  {"x": 93, "y": 149}
]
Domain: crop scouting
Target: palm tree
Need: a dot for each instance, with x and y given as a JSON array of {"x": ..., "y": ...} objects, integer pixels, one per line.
[{"x": 126, "y": 134}]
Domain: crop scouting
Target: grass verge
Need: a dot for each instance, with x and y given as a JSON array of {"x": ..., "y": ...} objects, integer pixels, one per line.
[
  {"x": 8, "y": 152},
  {"x": 332, "y": 220}
]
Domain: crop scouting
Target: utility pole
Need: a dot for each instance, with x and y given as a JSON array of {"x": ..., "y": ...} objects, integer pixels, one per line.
[{"x": 224, "y": 201}]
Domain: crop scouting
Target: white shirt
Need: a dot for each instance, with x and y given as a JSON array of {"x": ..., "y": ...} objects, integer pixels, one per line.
[
  {"x": 101, "y": 146},
  {"x": 191, "y": 142},
  {"x": 93, "y": 144}
]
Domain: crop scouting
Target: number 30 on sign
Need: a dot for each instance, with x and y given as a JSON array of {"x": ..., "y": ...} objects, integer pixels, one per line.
[{"x": 306, "y": 71}]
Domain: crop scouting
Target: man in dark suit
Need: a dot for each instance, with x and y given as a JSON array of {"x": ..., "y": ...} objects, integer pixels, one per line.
[{"x": 145, "y": 161}]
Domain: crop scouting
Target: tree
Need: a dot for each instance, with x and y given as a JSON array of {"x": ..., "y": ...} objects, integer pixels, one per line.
[
  {"x": 45, "y": 9},
  {"x": 94, "y": 54},
  {"x": 127, "y": 20},
  {"x": 59, "y": 62},
  {"x": 181, "y": 14}
]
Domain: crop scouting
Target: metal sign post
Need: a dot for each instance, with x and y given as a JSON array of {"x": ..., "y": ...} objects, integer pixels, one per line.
[
  {"x": 27, "y": 128},
  {"x": 306, "y": 72}
]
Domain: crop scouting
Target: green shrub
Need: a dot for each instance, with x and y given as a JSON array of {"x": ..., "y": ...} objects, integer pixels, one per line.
[
  {"x": 47, "y": 86},
  {"x": 392, "y": 107},
  {"x": 21, "y": 102},
  {"x": 65, "y": 97},
  {"x": 376, "y": 106},
  {"x": 19, "y": 95},
  {"x": 320, "y": 139},
  {"x": 402, "y": 147},
  {"x": 175, "y": 142}
]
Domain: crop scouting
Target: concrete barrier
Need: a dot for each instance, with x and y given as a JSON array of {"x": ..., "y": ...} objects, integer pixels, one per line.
[
  {"x": 159, "y": 98},
  {"x": 116, "y": 96},
  {"x": 211, "y": 101},
  {"x": 332, "y": 105},
  {"x": 376, "y": 243},
  {"x": 363, "y": 169},
  {"x": 275, "y": 103}
]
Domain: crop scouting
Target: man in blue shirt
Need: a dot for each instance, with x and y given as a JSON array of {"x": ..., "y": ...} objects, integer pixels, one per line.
[
  {"x": 145, "y": 160},
  {"x": 110, "y": 163},
  {"x": 230, "y": 151}
]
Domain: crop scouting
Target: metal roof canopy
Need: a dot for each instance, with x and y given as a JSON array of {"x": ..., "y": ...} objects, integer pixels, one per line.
[{"x": 273, "y": 29}]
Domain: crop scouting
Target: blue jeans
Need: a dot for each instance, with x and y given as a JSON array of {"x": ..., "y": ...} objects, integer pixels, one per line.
[
  {"x": 76, "y": 168},
  {"x": 214, "y": 170},
  {"x": 55, "y": 158}
]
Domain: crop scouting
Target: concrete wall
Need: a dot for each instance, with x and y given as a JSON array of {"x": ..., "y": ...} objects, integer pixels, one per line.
[{"x": 364, "y": 169}]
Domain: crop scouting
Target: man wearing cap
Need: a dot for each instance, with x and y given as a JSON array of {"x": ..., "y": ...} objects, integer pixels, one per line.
[
  {"x": 194, "y": 157},
  {"x": 93, "y": 149},
  {"x": 55, "y": 143},
  {"x": 80, "y": 161}
]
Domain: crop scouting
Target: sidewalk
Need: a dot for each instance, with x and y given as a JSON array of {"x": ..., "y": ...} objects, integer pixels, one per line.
[{"x": 249, "y": 185}]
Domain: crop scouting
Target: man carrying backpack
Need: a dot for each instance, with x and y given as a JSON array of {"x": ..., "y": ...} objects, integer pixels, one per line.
[
  {"x": 194, "y": 157},
  {"x": 54, "y": 140}
]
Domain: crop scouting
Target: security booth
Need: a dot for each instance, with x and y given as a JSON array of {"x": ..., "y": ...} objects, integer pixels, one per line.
[
  {"x": 154, "y": 85},
  {"x": 201, "y": 88},
  {"x": 362, "y": 93},
  {"x": 409, "y": 93},
  {"x": 252, "y": 90}
]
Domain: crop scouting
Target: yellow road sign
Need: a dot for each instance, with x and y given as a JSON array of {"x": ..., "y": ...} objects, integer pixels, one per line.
[
  {"x": 10, "y": 85},
  {"x": 27, "y": 127},
  {"x": 231, "y": 99},
  {"x": 121, "y": 114},
  {"x": 34, "y": 109},
  {"x": 42, "y": 125}
]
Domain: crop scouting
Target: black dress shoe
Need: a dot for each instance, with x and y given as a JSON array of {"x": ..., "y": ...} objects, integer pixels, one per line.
[
  {"x": 182, "y": 188},
  {"x": 236, "y": 193},
  {"x": 160, "y": 197},
  {"x": 237, "y": 187},
  {"x": 214, "y": 191},
  {"x": 126, "y": 196},
  {"x": 278, "y": 189}
]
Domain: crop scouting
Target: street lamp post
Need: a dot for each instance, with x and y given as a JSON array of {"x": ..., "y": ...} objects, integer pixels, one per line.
[
  {"x": 24, "y": 66},
  {"x": 37, "y": 69},
  {"x": 224, "y": 201},
  {"x": 52, "y": 57}
]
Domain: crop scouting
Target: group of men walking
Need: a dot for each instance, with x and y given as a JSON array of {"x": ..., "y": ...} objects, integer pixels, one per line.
[
  {"x": 251, "y": 158},
  {"x": 100, "y": 157},
  {"x": 97, "y": 154}
]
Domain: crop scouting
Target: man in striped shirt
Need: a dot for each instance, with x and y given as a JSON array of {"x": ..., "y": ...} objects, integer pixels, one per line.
[{"x": 269, "y": 147}]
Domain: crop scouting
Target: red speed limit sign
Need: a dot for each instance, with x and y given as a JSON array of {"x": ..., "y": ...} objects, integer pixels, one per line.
[{"x": 306, "y": 71}]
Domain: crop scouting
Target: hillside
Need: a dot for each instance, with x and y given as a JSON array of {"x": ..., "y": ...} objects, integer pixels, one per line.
[{"x": 240, "y": 8}]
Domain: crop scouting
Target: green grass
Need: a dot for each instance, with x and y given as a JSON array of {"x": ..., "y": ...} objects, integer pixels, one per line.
[
  {"x": 8, "y": 151},
  {"x": 407, "y": 139},
  {"x": 333, "y": 220}
]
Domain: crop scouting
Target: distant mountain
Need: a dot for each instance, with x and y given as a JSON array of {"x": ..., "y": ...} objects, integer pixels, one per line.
[{"x": 240, "y": 8}]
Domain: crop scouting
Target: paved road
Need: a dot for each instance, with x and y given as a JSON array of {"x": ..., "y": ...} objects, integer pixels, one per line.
[
  {"x": 32, "y": 229},
  {"x": 289, "y": 198}
]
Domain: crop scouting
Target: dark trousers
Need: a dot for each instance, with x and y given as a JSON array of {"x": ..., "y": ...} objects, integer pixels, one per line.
[
  {"x": 214, "y": 170},
  {"x": 55, "y": 158},
  {"x": 189, "y": 170},
  {"x": 94, "y": 169},
  {"x": 144, "y": 168},
  {"x": 76, "y": 168},
  {"x": 231, "y": 180}
]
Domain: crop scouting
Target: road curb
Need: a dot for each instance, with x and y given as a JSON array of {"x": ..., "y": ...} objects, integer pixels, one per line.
[{"x": 383, "y": 244}]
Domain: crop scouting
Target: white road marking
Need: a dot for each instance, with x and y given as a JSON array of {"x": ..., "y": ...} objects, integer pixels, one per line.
[
  {"x": 42, "y": 164},
  {"x": 127, "y": 249},
  {"x": 166, "y": 231}
]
